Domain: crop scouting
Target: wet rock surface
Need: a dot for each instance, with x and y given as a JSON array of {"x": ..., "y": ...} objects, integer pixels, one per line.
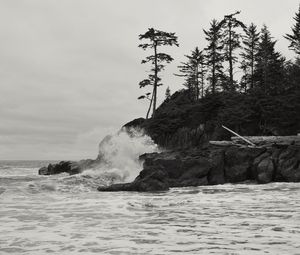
[
  {"x": 70, "y": 167},
  {"x": 215, "y": 165}
]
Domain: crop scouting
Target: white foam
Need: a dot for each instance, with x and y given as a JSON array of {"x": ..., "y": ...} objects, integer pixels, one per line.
[{"x": 120, "y": 153}]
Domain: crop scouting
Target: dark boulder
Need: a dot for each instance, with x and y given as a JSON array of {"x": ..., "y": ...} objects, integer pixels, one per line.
[
  {"x": 288, "y": 168},
  {"x": 43, "y": 170},
  {"x": 61, "y": 167},
  {"x": 182, "y": 168},
  {"x": 238, "y": 162},
  {"x": 155, "y": 181},
  {"x": 265, "y": 170}
]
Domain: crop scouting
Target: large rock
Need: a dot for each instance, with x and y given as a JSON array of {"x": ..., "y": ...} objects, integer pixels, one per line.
[
  {"x": 182, "y": 168},
  {"x": 70, "y": 167},
  {"x": 288, "y": 168},
  {"x": 154, "y": 181},
  {"x": 238, "y": 162},
  {"x": 61, "y": 167},
  {"x": 265, "y": 170},
  {"x": 168, "y": 169}
]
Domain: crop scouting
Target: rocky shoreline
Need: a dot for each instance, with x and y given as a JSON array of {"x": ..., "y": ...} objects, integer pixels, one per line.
[
  {"x": 273, "y": 159},
  {"x": 218, "y": 163}
]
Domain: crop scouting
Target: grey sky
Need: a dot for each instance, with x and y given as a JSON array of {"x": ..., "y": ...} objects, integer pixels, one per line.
[{"x": 69, "y": 69}]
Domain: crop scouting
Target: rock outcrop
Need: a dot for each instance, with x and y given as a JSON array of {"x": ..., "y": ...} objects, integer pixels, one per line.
[
  {"x": 70, "y": 167},
  {"x": 229, "y": 163}
]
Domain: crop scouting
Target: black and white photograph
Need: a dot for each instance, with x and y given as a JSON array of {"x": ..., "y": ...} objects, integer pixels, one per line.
[{"x": 163, "y": 127}]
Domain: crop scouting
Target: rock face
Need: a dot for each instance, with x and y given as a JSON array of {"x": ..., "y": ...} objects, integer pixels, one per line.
[
  {"x": 69, "y": 167},
  {"x": 215, "y": 165},
  {"x": 238, "y": 162}
]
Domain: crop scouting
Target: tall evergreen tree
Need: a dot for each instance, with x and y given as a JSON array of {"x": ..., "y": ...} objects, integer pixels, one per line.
[
  {"x": 194, "y": 71},
  {"x": 156, "y": 38},
  {"x": 250, "y": 48},
  {"x": 231, "y": 40},
  {"x": 294, "y": 38},
  {"x": 214, "y": 56},
  {"x": 269, "y": 69}
]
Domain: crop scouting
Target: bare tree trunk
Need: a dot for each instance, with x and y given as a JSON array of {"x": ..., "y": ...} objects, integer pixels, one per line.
[
  {"x": 230, "y": 57},
  {"x": 202, "y": 84},
  {"x": 197, "y": 83},
  {"x": 147, "y": 116},
  {"x": 252, "y": 67},
  {"x": 155, "y": 79},
  {"x": 213, "y": 78}
]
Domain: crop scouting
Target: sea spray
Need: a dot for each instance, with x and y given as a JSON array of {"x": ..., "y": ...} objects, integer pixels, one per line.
[
  {"x": 119, "y": 155},
  {"x": 117, "y": 162}
]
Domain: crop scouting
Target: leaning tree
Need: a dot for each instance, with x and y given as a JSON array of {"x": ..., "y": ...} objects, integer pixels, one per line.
[
  {"x": 231, "y": 40},
  {"x": 155, "y": 38}
]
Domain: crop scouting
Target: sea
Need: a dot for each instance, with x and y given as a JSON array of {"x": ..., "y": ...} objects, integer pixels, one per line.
[{"x": 64, "y": 214}]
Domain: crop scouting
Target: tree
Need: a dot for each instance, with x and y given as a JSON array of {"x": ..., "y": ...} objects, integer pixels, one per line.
[
  {"x": 292, "y": 73},
  {"x": 231, "y": 40},
  {"x": 250, "y": 48},
  {"x": 158, "y": 60},
  {"x": 168, "y": 93},
  {"x": 294, "y": 38},
  {"x": 150, "y": 99},
  {"x": 269, "y": 68},
  {"x": 213, "y": 55},
  {"x": 194, "y": 71}
]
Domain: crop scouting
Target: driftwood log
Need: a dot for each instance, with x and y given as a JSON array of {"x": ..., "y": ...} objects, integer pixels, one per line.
[{"x": 269, "y": 140}]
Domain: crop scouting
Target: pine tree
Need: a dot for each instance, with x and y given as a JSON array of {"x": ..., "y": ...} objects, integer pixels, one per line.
[
  {"x": 294, "y": 38},
  {"x": 158, "y": 60},
  {"x": 250, "y": 48},
  {"x": 231, "y": 40},
  {"x": 269, "y": 68},
  {"x": 214, "y": 56},
  {"x": 168, "y": 93},
  {"x": 292, "y": 73},
  {"x": 194, "y": 71}
]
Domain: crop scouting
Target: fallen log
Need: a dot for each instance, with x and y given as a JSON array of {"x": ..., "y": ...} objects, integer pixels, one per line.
[{"x": 264, "y": 140}]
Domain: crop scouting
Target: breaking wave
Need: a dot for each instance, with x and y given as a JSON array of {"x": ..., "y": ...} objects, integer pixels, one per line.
[
  {"x": 119, "y": 156},
  {"x": 118, "y": 162}
]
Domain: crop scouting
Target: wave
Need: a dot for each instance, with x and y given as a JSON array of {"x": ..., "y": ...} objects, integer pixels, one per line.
[
  {"x": 119, "y": 156},
  {"x": 118, "y": 162}
]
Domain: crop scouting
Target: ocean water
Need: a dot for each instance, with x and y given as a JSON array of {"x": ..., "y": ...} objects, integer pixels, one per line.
[{"x": 65, "y": 214}]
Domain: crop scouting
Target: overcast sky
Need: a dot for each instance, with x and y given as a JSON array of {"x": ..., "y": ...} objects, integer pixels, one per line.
[{"x": 69, "y": 69}]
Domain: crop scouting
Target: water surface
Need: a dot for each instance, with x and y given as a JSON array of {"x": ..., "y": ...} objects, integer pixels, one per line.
[{"x": 66, "y": 215}]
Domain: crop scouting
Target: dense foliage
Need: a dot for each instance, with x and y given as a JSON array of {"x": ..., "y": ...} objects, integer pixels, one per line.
[{"x": 265, "y": 101}]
